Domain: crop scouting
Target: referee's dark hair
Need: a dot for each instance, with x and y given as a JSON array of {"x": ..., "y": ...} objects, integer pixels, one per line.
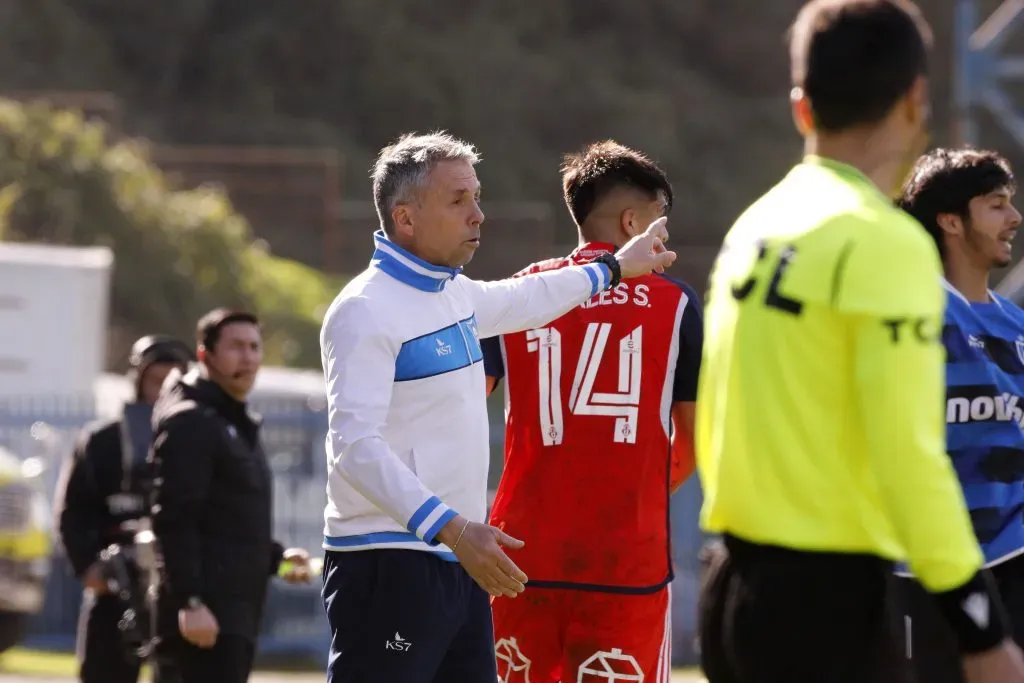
[
  {"x": 855, "y": 59},
  {"x": 944, "y": 181},
  {"x": 210, "y": 325}
]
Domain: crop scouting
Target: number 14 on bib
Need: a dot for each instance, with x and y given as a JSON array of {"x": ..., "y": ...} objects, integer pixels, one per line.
[{"x": 623, "y": 405}]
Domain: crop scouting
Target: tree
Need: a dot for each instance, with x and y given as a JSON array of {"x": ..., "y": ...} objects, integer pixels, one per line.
[{"x": 178, "y": 253}]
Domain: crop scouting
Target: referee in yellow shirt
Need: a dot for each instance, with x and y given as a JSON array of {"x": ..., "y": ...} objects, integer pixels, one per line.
[{"x": 820, "y": 428}]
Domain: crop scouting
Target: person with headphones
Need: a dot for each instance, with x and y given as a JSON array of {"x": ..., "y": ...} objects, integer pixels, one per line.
[
  {"x": 101, "y": 495},
  {"x": 213, "y": 509}
]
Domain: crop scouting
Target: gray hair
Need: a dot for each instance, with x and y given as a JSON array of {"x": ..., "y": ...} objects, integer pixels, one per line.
[{"x": 403, "y": 167}]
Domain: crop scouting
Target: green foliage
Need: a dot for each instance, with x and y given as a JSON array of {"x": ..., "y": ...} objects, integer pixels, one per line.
[
  {"x": 178, "y": 253},
  {"x": 700, "y": 85},
  {"x": 292, "y": 299}
]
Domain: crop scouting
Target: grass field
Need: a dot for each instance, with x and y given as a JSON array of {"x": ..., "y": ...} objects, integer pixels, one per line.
[{"x": 48, "y": 667}]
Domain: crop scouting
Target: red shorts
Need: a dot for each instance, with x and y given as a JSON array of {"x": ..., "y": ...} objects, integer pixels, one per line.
[{"x": 548, "y": 635}]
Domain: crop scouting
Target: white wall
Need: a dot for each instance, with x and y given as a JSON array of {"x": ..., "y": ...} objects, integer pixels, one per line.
[{"x": 54, "y": 302}]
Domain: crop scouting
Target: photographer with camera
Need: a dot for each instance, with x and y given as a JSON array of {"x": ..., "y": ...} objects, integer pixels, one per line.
[
  {"x": 101, "y": 496},
  {"x": 212, "y": 508}
]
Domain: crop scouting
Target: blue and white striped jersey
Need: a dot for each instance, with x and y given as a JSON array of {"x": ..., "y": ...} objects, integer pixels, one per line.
[{"x": 985, "y": 416}]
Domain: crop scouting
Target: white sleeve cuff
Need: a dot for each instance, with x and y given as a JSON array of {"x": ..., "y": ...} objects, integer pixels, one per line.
[
  {"x": 600, "y": 277},
  {"x": 429, "y": 518}
]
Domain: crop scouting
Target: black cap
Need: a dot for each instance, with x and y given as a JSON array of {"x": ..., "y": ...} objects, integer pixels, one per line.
[{"x": 158, "y": 348}]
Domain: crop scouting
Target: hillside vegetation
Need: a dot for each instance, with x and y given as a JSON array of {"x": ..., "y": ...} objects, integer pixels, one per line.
[
  {"x": 701, "y": 85},
  {"x": 178, "y": 253}
]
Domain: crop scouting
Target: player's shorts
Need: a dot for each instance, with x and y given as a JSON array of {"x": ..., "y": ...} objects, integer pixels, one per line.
[
  {"x": 927, "y": 640},
  {"x": 772, "y": 615},
  {"x": 405, "y": 616},
  {"x": 550, "y": 634}
]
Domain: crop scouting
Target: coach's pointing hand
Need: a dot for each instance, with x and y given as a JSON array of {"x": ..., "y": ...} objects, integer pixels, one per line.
[
  {"x": 646, "y": 252},
  {"x": 478, "y": 548}
]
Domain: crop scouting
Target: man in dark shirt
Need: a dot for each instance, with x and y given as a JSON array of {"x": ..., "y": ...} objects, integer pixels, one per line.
[
  {"x": 212, "y": 507},
  {"x": 102, "y": 491}
]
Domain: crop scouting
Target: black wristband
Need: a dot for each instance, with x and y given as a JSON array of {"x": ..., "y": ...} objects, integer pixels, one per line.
[
  {"x": 613, "y": 265},
  {"x": 975, "y": 613}
]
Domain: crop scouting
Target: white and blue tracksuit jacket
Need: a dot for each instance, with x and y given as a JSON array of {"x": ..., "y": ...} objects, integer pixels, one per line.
[{"x": 408, "y": 443}]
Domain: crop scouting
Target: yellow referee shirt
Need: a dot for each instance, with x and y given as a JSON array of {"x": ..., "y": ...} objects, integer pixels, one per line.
[{"x": 820, "y": 422}]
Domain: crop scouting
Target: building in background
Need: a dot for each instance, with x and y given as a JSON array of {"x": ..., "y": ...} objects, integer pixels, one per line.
[{"x": 53, "y": 319}]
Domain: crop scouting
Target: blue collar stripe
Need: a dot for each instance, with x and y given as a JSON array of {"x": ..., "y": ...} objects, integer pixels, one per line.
[{"x": 407, "y": 268}]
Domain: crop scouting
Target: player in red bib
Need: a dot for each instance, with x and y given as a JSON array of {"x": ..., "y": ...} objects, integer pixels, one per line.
[{"x": 599, "y": 424}]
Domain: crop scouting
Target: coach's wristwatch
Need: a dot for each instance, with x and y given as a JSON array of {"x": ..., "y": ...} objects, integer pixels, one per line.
[{"x": 613, "y": 265}]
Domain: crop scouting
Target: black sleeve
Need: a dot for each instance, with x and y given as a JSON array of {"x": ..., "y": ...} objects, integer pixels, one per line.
[
  {"x": 494, "y": 364},
  {"x": 691, "y": 346},
  {"x": 78, "y": 506},
  {"x": 276, "y": 555},
  {"x": 182, "y": 465}
]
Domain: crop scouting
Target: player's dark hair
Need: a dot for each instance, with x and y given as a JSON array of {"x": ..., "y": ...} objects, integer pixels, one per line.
[
  {"x": 592, "y": 173},
  {"x": 855, "y": 59},
  {"x": 209, "y": 327},
  {"x": 946, "y": 180}
]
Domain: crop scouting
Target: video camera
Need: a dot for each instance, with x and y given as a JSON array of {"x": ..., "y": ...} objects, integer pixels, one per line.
[{"x": 129, "y": 574}]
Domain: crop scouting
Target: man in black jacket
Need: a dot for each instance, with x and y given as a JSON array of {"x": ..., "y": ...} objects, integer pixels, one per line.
[
  {"x": 102, "y": 491},
  {"x": 212, "y": 507}
]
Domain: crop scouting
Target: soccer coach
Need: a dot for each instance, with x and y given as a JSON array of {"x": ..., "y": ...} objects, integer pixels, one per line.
[{"x": 409, "y": 562}]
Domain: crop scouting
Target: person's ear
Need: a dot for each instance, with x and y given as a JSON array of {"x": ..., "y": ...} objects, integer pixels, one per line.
[
  {"x": 402, "y": 219},
  {"x": 917, "y": 104},
  {"x": 950, "y": 224},
  {"x": 803, "y": 115},
  {"x": 629, "y": 224}
]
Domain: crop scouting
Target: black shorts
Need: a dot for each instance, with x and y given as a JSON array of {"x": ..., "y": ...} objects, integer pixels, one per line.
[
  {"x": 406, "y": 616},
  {"x": 772, "y": 615},
  {"x": 925, "y": 636}
]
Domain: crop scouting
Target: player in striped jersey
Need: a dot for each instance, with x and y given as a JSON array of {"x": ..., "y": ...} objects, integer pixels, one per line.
[{"x": 963, "y": 198}]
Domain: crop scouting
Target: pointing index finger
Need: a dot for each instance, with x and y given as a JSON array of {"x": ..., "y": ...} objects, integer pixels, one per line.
[{"x": 658, "y": 227}]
